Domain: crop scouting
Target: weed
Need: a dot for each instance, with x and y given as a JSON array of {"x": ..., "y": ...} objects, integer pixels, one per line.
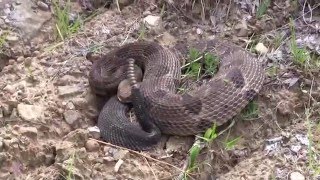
[
  {"x": 251, "y": 111},
  {"x": 194, "y": 151},
  {"x": 142, "y": 31},
  {"x": 313, "y": 154},
  {"x": 278, "y": 40},
  {"x": 3, "y": 37},
  {"x": 301, "y": 56},
  {"x": 272, "y": 71},
  {"x": 70, "y": 167},
  {"x": 206, "y": 64},
  {"x": 64, "y": 26},
  {"x": 230, "y": 144},
  {"x": 263, "y": 8}
]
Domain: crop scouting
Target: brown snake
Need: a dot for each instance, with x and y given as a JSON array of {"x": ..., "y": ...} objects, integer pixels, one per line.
[{"x": 158, "y": 106}]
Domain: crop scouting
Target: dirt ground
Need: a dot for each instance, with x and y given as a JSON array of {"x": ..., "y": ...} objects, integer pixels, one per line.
[{"x": 48, "y": 112}]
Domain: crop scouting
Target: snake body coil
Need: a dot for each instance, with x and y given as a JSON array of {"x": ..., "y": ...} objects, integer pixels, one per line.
[{"x": 158, "y": 106}]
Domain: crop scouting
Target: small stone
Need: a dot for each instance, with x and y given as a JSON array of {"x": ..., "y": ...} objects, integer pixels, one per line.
[
  {"x": 152, "y": 20},
  {"x": 30, "y": 112},
  {"x": 108, "y": 159},
  {"x": 94, "y": 132},
  {"x": 199, "y": 31},
  {"x": 296, "y": 176},
  {"x": 68, "y": 90},
  {"x": 70, "y": 105},
  {"x": 92, "y": 145},
  {"x": 43, "y": 6},
  {"x": 20, "y": 59},
  {"x": 295, "y": 148},
  {"x": 260, "y": 48},
  {"x": 12, "y": 38},
  {"x": 118, "y": 164},
  {"x": 79, "y": 102},
  {"x": 121, "y": 154},
  {"x": 71, "y": 116},
  {"x": 27, "y": 61},
  {"x": 11, "y": 61},
  {"x": 9, "y": 88},
  {"x": 30, "y": 132}
]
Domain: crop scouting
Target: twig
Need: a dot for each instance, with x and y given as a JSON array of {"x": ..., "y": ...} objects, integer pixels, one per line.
[
  {"x": 154, "y": 174},
  {"x": 138, "y": 153}
]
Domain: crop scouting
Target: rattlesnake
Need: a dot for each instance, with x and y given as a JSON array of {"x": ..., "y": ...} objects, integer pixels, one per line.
[{"x": 159, "y": 108}]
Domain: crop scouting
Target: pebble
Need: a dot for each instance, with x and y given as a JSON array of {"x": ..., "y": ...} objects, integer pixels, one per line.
[
  {"x": 12, "y": 38},
  {"x": 121, "y": 154},
  {"x": 20, "y": 59},
  {"x": 68, "y": 90},
  {"x": 296, "y": 176},
  {"x": 261, "y": 48},
  {"x": 9, "y": 88},
  {"x": 92, "y": 145},
  {"x": 30, "y": 132},
  {"x": 30, "y": 112},
  {"x": 79, "y": 102},
  {"x": 199, "y": 31},
  {"x": 295, "y": 148},
  {"x": 43, "y": 6},
  {"x": 71, "y": 116},
  {"x": 94, "y": 132},
  {"x": 152, "y": 20}
]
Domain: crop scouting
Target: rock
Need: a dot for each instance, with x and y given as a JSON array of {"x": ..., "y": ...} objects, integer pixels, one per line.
[
  {"x": 71, "y": 116},
  {"x": 296, "y": 176},
  {"x": 69, "y": 90},
  {"x": 260, "y": 48},
  {"x": 30, "y": 112},
  {"x": 30, "y": 132},
  {"x": 94, "y": 132},
  {"x": 26, "y": 20},
  {"x": 92, "y": 145},
  {"x": 43, "y": 6},
  {"x": 152, "y": 21}
]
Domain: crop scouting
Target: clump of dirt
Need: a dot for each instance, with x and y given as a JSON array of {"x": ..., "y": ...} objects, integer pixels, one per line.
[{"x": 48, "y": 111}]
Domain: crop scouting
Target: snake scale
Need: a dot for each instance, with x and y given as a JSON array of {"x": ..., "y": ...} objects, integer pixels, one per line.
[{"x": 159, "y": 108}]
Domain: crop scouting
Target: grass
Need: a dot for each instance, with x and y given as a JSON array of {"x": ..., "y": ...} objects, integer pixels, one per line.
[
  {"x": 3, "y": 37},
  {"x": 198, "y": 63},
  {"x": 251, "y": 111},
  {"x": 64, "y": 26},
  {"x": 301, "y": 56},
  {"x": 70, "y": 167},
  {"x": 263, "y": 6},
  {"x": 313, "y": 150}
]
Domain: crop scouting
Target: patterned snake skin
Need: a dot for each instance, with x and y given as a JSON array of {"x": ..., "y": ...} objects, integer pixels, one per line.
[{"x": 158, "y": 106}]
